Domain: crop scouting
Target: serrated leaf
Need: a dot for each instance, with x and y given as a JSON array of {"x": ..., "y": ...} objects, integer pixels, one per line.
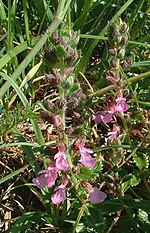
[
  {"x": 86, "y": 174},
  {"x": 132, "y": 181},
  {"x": 141, "y": 160},
  {"x": 143, "y": 216}
]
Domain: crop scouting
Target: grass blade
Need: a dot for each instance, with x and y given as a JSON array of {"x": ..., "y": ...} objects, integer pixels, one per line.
[
  {"x": 37, "y": 47},
  {"x": 12, "y": 174},
  {"x": 23, "y": 99}
]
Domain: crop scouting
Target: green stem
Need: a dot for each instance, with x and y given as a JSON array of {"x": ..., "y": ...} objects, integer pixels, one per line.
[
  {"x": 126, "y": 128},
  {"x": 146, "y": 185},
  {"x": 60, "y": 8},
  {"x": 137, "y": 103},
  {"x": 104, "y": 90},
  {"x": 79, "y": 217}
]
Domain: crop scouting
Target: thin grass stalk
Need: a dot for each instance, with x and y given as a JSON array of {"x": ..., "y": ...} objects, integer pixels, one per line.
[
  {"x": 58, "y": 19},
  {"x": 86, "y": 57},
  {"x": 112, "y": 87},
  {"x": 26, "y": 21}
]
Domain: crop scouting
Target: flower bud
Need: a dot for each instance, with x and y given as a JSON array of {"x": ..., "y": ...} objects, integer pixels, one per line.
[
  {"x": 72, "y": 103},
  {"x": 74, "y": 39},
  {"x": 125, "y": 64},
  {"x": 50, "y": 105},
  {"x": 54, "y": 37},
  {"x": 121, "y": 53},
  {"x": 72, "y": 55},
  {"x": 111, "y": 77},
  {"x": 61, "y": 104},
  {"x": 56, "y": 120},
  {"x": 124, "y": 41},
  {"x": 116, "y": 33},
  {"x": 112, "y": 51},
  {"x": 50, "y": 56},
  {"x": 53, "y": 80},
  {"x": 124, "y": 28},
  {"x": 113, "y": 63},
  {"x": 62, "y": 41}
]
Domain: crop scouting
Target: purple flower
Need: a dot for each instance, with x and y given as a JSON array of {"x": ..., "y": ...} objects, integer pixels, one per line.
[
  {"x": 121, "y": 105},
  {"x": 60, "y": 193},
  {"x": 96, "y": 196},
  {"x": 47, "y": 177},
  {"x": 113, "y": 134},
  {"x": 86, "y": 158},
  {"x": 61, "y": 159},
  {"x": 103, "y": 116}
]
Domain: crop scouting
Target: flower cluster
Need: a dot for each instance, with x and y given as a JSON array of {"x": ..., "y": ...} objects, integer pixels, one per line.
[
  {"x": 117, "y": 40},
  {"x": 60, "y": 60}
]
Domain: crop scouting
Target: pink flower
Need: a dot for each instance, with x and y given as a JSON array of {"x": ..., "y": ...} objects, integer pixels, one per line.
[
  {"x": 96, "y": 196},
  {"x": 113, "y": 134},
  {"x": 56, "y": 120},
  {"x": 121, "y": 105},
  {"x": 61, "y": 159},
  {"x": 47, "y": 177},
  {"x": 103, "y": 116},
  {"x": 60, "y": 193},
  {"x": 86, "y": 158}
]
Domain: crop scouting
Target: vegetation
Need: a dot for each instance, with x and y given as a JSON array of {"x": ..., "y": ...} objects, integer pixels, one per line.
[{"x": 74, "y": 116}]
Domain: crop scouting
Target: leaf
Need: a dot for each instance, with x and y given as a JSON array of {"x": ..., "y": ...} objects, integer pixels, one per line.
[
  {"x": 141, "y": 160},
  {"x": 132, "y": 180},
  {"x": 25, "y": 221},
  {"x": 141, "y": 64},
  {"x": 144, "y": 220},
  {"x": 88, "y": 174},
  {"x": 24, "y": 100},
  {"x": 12, "y": 174},
  {"x": 60, "y": 51}
]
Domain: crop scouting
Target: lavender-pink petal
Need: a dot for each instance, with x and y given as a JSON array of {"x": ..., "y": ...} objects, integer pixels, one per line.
[
  {"x": 96, "y": 196},
  {"x": 59, "y": 196}
]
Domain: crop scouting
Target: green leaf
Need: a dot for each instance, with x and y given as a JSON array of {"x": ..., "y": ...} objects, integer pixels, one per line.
[
  {"x": 60, "y": 51},
  {"x": 15, "y": 51},
  {"x": 141, "y": 160},
  {"x": 29, "y": 219},
  {"x": 12, "y": 174},
  {"x": 141, "y": 64},
  {"x": 132, "y": 180},
  {"x": 37, "y": 130}
]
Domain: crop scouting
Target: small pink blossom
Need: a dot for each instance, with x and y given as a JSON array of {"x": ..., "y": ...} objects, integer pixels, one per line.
[
  {"x": 113, "y": 134},
  {"x": 47, "y": 177},
  {"x": 57, "y": 120},
  {"x": 103, "y": 116},
  {"x": 61, "y": 159},
  {"x": 121, "y": 105},
  {"x": 60, "y": 193},
  {"x": 147, "y": 121},
  {"x": 96, "y": 196},
  {"x": 86, "y": 159}
]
